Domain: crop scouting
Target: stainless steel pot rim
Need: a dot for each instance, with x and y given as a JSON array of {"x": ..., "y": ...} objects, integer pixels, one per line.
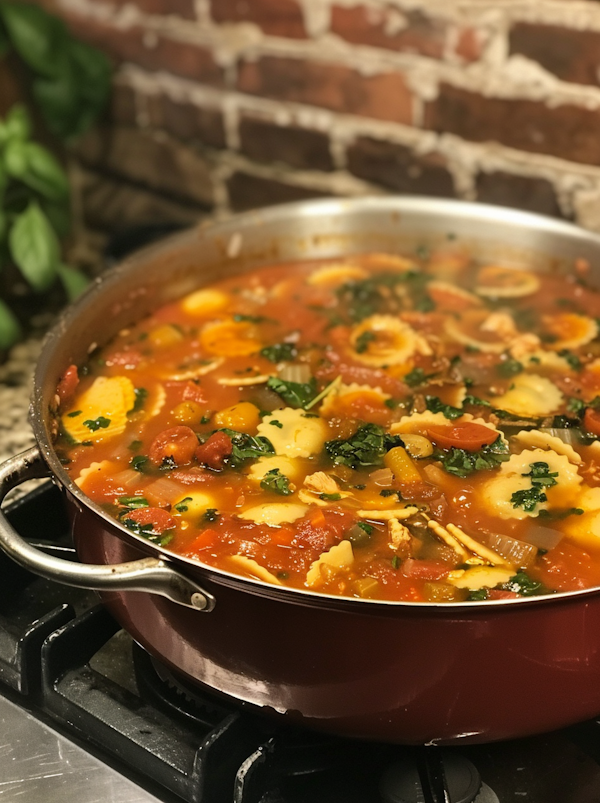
[{"x": 235, "y": 226}]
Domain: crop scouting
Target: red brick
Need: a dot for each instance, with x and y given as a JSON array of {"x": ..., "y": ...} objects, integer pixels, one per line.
[
  {"x": 114, "y": 205},
  {"x": 181, "y": 8},
  {"x": 187, "y": 121},
  {"x": 566, "y": 131},
  {"x": 274, "y": 17},
  {"x": 149, "y": 49},
  {"x": 265, "y": 141},
  {"x": 333, "y": 86},
  {"x": 123, "y": 105},
  {"x": 569, "y": 54},
  {"x": 520, "y": 192},
  {"x": 469, "y": 44},
  {"x": 247, "y": 191},
  {"x": 364, "y": 25},
  {"x": 156, "y": 163},
  {"x": 399, "y": 168}
]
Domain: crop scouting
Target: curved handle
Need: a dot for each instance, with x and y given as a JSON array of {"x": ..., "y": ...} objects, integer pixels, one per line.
[{"x": 152, "y": 575}]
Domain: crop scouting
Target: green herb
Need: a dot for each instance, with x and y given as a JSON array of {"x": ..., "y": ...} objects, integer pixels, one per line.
[
  {"x": 330, "y": 497},
  {"x": 277, "y": 424},
  {"x": 211, "y": 514},
  {"x": 509, "y": 367},
  {"x": 365, "y": 448},
  {"x": 359, "y": 487},
  {"x": 133, "y": 502},
  {"x": 575, "y": 405},
  {"x": 479, "y": 595},
  {"x": 367, "y": 528},
  {"x": 557, "y": 515},
  {"x": 476, "y": 400},
  {"x": 134, "y": 445},
  {"x": 461, "y": 463},
  {"x": 541, "y": 477},
  {"x": 296, "y": 394},
  {"x": 396, "y": 562},
  {"x": 573, "y": 360},
  {"x": 417, "y": 377},
  {"x": 246, "y": 447},
  {"x": 141, "y": 394},
  {"x": 525, "y": 585},
  {"x": 74, "y": 414},
  {"x": 275, "y": 481},
  {"x": 168, "y": 463},
  {"x": 145, "y": 530},
  {"x": 279, "y": 352},
  {"x": 98, "y": 423},
  {"x": 181, "y": 506},
  {"x": 239, "y": 318},
  {"x": 435, "y": 405},
  {"x": 391, "y": 403},
  {"x": 138, "y": 463},
  {"x": 205, "y": 419},
  {"x": 363, "y": 340}
]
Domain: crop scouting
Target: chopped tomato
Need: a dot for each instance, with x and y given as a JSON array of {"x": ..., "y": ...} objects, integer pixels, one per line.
[
  {"x": 128, "y": 358},
  {"x": 499, "y": 593},
  {"x": 193, "y": 392},
  {"x": 68, "y": 383},
  {"x": 353, "y": 372},
  {"x": 469, "y": 436},
  {"x": 566, "y": 568},
  {"x": 424, "y": 569},
  {"x": 161, "y": 520},
  {"x": 176, "y": 445},
  {"x": 322, "y": 528},
  {"x": 212, "y": 453},
  {"x": 591, "y": 421},
  {"x": 208, "y": 538}
]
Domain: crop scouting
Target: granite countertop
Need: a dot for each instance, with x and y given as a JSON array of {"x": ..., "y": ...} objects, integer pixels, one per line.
[{"x": 16, "y": 380}]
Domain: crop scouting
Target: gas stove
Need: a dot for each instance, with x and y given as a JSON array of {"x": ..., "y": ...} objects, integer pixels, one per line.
[{"x": 86, "y": 715}]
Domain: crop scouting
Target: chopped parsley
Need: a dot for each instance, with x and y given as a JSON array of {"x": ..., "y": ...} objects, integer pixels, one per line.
[
  {"x": 363, "y": 340},
  {"x": 573, "y": 360},
  {"x": 296, "y": 394},
  {"x": 461, "y": 463},
  {"x": 541, "y": 477},
  {"x": 181, "y": 506},
  {"x": 396, "y": 562},
  {"x": 138, "y": 463},
  {"x": 141, "y": 394},
  {"x": 277, "y": 424},
  {"x": 275, "y": 481},
  {"x": 557, "y": 515},
  {"x": 240, "y": 318},
  {"x": 279, "y": 352},
  {"x": 74, "y": 414},
  {"x": 509, "y": 367},
  {"x": 575, "y": 405},
  {"x": 97, "y": 423},
  {"x": 330, "y": 497},
  {"x": 246, "y": 447},
  {"x": 365, "y": 448},
  {"x": 524, "y": 585},
  {"x": 133, "y": 502},
  {"x": 417, "y": 377},
  {"x": 436, "y": 405}
]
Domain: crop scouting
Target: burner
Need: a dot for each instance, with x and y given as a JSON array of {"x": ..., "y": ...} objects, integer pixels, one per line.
[{"x": 429, "y": 775}]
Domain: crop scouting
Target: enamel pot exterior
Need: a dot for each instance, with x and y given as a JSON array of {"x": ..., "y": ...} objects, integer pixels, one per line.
[
  {"x": 405, "y": 674},
  {"x": 397, "y": 672}
]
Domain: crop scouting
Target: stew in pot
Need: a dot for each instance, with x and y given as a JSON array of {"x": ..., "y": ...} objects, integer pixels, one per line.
[{"x": 418, "y": 428}]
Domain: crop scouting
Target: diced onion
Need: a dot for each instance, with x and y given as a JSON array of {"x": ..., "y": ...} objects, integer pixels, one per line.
[
  {"x": 518, "y": 553},
  {"x": 128, "y": 478},
  {"x": 298, "y": 372},
  {"x": 383, "y": 477},
  {"x": 163, "y": 492},
  {"x": 543, "y": 537}
]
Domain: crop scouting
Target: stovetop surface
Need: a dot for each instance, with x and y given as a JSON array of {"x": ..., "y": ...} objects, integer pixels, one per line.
[{"x": 87, "y": 716}]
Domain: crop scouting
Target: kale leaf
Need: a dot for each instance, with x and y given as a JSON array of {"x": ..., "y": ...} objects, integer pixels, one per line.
[
  {"x": 275, "y": 481},
  {"x": 461, "y": 463},
  {"x": 246, "y": 447},
  {"x": 365, "y": 448},
  {"x": 296, "y": 394},
  {"x": 279, "y": 352}
]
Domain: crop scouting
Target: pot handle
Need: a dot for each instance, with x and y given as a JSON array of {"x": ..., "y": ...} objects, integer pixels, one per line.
[{"x": 153, "y": 575}]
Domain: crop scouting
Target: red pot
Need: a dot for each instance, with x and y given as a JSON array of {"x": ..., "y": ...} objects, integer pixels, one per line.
[{"x": 391, "y": 671}]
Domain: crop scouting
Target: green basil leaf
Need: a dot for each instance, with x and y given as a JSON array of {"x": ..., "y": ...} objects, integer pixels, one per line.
[
  {"x": 36, "y": 35},
  {"x": 15, "y": 158},
  {"x": 18, "y": 122},
  {"x": 34, "y": 247},
  {"x": 57, "y": 99},
  {"x": 44, "y": 173},
  {"x": 10, "y": 328},
  {"x": 72, "y": 280}
]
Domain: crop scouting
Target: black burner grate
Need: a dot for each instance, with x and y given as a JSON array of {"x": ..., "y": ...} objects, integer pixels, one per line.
[{"x": 63, "y": 657}]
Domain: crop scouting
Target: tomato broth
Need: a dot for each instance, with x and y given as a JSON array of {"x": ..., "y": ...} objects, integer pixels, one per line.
[{"x": 418, "y": 427}]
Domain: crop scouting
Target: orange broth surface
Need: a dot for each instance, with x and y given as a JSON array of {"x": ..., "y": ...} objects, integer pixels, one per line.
[{"x": 418, "y": 428}]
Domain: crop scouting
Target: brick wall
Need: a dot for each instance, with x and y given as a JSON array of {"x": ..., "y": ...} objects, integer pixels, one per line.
[{"x": 223, "y": 105}]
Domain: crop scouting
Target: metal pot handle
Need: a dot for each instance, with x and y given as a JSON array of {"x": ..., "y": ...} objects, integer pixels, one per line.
[{"x": 152, "y": 575}]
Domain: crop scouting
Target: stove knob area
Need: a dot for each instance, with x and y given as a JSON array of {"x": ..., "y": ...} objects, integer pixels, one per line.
[{"x": 400, "y": 783}]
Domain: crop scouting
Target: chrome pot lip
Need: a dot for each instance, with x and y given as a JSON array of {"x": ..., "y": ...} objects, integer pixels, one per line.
[{"x": 318, "y": 228}]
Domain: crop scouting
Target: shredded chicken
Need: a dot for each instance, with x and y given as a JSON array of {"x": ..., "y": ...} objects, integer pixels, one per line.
[
  {"x": 321, "y": 483},
  {"x": 400, "y": 536},
  {"x": 501, "y": 323},
  {"x": 523, "y": 345}
]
